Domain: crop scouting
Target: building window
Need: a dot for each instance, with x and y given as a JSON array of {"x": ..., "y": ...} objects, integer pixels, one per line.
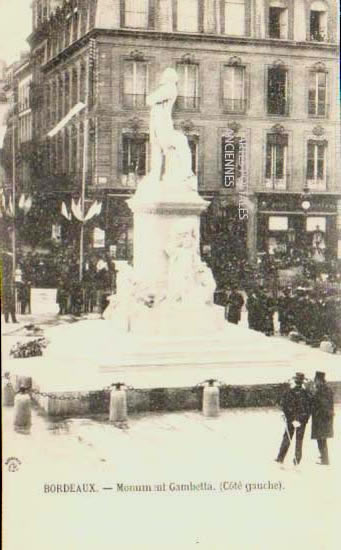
[
  {"x": 188, "y": 86},
  {"x": 83, "y": 84},
  {"x": 136, "y": 13},
  {"x": 75, "y": 22},
  {"x": 67, "y": 145},
  {"x": 188, "y": 15},
  {"x": 135, "y": 152},
  {"x": 74, "y": 84},
  {"x": 234, "y": 17},
  {"x": 135, "y": 84},
  {"x": 73, "y": 150},
  {"x": 316, "y": 165},
  {"x": 318, "y": 21},
  {"x": 59, "y": 154},
  {"x": 276, "y": 161},
  {"x": 66, "y": 93},
  {"x": 60, "y": 98},
  {"x": 278, "y": 91},
  {"x": 278, "y": 22},
  {"x": 317, "y": 94},
  {"x": 53, "y": 102},
  {"x": 234, "y": 89}
]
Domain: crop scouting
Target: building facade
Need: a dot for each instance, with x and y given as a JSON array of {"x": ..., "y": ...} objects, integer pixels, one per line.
[{"x": 258, "y": 100}]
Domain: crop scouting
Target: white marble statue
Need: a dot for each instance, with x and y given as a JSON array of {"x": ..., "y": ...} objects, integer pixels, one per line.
[
  {"x": 161, "y": 127},
  {"x": 190, "y": 281},
  {"x": 171, "y": 157}
]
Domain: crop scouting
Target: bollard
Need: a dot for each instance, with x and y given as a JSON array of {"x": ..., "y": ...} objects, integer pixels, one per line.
[
  {"x": 22, "y": 411},
  {"x": 327, "y": 346},
  {"x": 7, "y": 392},
  {"x": 23, "y": 382},
  {"x": 210, "y": 402},
  {"x": 118, "y": 404}
]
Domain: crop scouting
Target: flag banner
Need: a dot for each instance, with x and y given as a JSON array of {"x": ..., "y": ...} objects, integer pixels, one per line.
[
  {"x": 10, "y": 210},
  {"x": 99, "y": 208},
  {"x": 65, "y": 212},
  {"x": 94, "y": 210},
  {"x": 27, "y": 204},
  {"x": 22, "y": 201},
  {"x": 76, "y": 210},
  {"x": 62, "y": 123}
]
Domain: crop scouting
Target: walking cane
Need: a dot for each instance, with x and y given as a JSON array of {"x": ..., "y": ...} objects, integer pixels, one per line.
[
  {"x": 286, "y": 428},
  {"x": 288, "y": 434}
]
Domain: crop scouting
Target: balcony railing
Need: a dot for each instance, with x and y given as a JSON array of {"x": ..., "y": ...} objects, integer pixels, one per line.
[
  {"x": 317, "y": 184},
  {"x": 234, "y": 105},
  {"x": 187, "y": 102},
  {"x": 318, "y": 36},
  {"x": 317, "y": 109},
  {"x": 277, "y": 183},
  {"x": 137, "y": 101},
  {"x": 278, "y": 106}
]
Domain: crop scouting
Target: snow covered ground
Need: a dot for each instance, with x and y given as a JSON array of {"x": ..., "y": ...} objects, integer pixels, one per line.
[{"x": 240, "y": 499}]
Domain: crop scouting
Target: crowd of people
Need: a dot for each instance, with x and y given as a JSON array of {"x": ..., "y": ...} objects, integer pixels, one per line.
[
  {"x": 311, "y": 315},
  {"x": 59, "y": 270}
]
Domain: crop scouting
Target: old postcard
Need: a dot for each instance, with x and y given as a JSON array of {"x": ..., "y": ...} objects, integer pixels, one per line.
[{"x": 170, "y": 223}]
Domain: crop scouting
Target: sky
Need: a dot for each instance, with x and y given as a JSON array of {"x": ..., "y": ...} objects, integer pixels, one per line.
[{"x": 15, "y": 27}]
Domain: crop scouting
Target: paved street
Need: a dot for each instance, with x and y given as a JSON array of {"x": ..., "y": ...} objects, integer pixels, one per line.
[
  {"x": 214, "y": 479},
  {"x": 296, "y": 508}
]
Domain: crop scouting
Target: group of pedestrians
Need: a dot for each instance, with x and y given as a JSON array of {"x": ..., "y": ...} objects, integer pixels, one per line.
[
  {"x": 298, "y": 404},
  {"x": 260, "y": 306},
  {"x": 313, "y": 315},
  {"x": 75, "y": 297}
]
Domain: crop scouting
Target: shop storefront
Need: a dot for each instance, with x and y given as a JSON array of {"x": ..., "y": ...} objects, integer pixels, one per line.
[{"x": 297, "y": 222}]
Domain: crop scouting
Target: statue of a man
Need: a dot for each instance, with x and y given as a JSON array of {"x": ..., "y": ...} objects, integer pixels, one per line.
[{"x": 161, "y": 102}]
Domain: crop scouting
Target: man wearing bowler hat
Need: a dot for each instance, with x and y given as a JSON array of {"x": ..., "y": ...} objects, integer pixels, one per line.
[
  {"x": 296, "y": 406},
  {"x": 322, "y": 415}
]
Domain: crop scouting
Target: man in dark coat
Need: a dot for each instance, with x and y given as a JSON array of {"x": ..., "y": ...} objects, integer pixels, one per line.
[
  {"x": 252, "y": 306},
  {"x": 8, "y": 288},
  {"x": 296, "y": 406},
  {"x": 234, "y": 305},
  {"x": 285, "y": 313},
  {"x": 322, "y": 415},
  {"x": 269, "y": 306}
]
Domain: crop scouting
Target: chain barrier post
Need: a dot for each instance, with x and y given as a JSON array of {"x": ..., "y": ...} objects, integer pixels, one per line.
[
  {"x": 7, "y": 391},
  {"x": 22, "y": 411},
  {"x": 118, "y": 412},
  {"x": 211, "y": 398},
  {"x": 23, "y": 381}
]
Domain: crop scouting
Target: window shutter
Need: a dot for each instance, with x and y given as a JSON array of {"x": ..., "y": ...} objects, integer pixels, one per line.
[
  {"x": 310, "y": 159},
  {"x": 141, "y": 157},
  {"x": 268, "y": 159},
  {"x": 125, "y": 154}
]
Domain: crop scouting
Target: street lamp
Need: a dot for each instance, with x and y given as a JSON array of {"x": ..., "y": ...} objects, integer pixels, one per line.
[{"x": 305, "y": 204}]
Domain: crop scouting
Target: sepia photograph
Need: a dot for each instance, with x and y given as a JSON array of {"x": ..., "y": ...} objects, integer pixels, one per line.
[{"x": 170, "y": 260}]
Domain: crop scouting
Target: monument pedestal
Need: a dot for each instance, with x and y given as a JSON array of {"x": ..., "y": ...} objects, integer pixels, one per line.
[{"x": 169, "y": 291}]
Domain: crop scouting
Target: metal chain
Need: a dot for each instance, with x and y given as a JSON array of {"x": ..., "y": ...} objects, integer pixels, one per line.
[{"x": 82, "y": 397}]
